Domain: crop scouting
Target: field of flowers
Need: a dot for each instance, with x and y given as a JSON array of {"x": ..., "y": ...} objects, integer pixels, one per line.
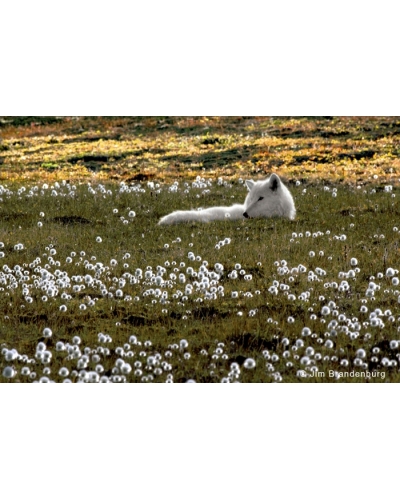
[{"x": 93, "y": 290}]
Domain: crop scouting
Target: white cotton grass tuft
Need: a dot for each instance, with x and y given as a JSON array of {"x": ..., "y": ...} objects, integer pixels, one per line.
[
  {"x": 47, "y": 333},
  {"x": 183, "y": 344},
  {"x": 325, "y": 311},
  {"x": 9, "y": 372},
  {"x": 361, "y": 353},
  {"x": 390, "y": 272},
  {"x": 249, "y": 364},
  {"x": 63, "y": 372}
]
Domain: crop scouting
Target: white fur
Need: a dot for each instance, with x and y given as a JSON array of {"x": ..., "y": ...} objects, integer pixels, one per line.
[{"x": 269, "y": 198}]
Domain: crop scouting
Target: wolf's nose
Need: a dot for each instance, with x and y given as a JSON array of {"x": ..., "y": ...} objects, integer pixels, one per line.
[{"x": 245, "y": 215}]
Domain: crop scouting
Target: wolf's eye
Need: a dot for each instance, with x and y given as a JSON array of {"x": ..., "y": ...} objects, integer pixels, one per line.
[{"x": 260, "y": 198}]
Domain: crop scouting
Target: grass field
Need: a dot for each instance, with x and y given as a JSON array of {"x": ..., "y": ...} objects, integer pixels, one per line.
[{"x": 92, "y": 289}]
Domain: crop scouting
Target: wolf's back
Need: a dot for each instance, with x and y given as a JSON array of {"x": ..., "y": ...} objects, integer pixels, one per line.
[{"x": 234, "y": 212}]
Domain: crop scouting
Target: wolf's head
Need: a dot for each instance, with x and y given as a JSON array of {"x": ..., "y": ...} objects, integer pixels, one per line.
[{"x": 269, "y": 198}]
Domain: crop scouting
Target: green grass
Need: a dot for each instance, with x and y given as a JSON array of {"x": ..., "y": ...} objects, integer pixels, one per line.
[{"x": 72, "y": 225}]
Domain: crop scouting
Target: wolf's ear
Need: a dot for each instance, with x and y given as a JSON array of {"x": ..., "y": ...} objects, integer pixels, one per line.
[
  {"x": 250, "y": 184},
  {"x": 274, "y": 182}
]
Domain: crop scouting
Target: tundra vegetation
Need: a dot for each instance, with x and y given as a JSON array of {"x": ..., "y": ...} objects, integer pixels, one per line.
[{"x": 92, "y": 289}]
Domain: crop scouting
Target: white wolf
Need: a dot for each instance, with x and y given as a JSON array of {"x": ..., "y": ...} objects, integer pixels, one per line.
[{"x": 268, "y": 198}]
